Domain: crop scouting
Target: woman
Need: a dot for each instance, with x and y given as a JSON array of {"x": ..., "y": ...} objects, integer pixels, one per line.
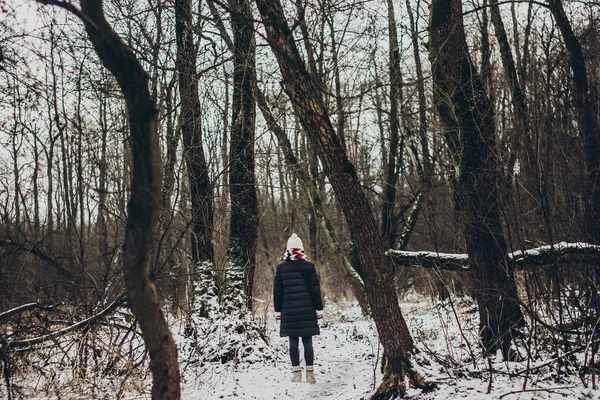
[{"x": 298, "y": 304}]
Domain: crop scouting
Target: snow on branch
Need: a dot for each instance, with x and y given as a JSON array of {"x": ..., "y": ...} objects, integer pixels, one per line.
[
  {"x": 521, "y": 259},
  {"x": 550, "y": 254},
  {"x": 30, "y": 306},
  {"x": 430, "y": 259}
]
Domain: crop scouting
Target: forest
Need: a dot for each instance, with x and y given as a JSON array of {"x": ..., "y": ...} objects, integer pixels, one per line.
[{"x": 156, "y": 156}]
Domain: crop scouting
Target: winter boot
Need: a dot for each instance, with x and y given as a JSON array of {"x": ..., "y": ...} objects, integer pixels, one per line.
[
  {"x": 310, "y": 374},
  {"x": 297, "y": 371}
]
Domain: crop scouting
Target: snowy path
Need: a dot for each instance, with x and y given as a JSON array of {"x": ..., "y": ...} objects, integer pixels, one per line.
[{"x": 345, "y": 359}]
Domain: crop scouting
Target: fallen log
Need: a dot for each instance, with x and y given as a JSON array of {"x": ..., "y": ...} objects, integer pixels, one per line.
[
  {"x": 430, "y": 259},
  {"x": 520, "y": 259}
]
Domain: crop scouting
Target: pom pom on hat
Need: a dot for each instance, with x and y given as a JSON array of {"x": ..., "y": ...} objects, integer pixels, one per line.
[{"x": 294, "y": 242}]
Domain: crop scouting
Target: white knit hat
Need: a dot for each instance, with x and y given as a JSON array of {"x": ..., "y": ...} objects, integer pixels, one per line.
[{"x": 294, "y": 242}]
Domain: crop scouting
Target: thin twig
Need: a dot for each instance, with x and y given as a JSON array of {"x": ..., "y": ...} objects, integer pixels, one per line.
[
  {"x": 551, "y": 389},
  {"x": 30, "y": 306},
  {"x": 375, "y": 365},
  {"x": 25, "y": 344},
  {"x": 546, "y": 363}
]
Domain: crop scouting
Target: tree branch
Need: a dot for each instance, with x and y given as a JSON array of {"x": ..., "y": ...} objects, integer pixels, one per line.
[
  {"x": 476, "y": 9},
  {"x": 30, "y": 306},
  {"x": 66, "y": 6},
  {"x": 36, "y": 251},
  {"x": 27, "y": 343}
]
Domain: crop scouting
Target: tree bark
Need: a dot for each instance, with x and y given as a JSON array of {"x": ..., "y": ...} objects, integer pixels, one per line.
[
  {"x": 307, "y": 101},
  {"x": 242, "y": 180},
  {"x": 388, "y": 224},
  {"x": 466, "y": 113},
  {"x": 191, "y": 131},
  {"x": 145, "y": 193},
  {"x": 203, "y": 277}
]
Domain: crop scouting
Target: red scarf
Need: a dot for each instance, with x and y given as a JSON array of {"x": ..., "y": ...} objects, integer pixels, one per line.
[{"x": 293, "y": 255}]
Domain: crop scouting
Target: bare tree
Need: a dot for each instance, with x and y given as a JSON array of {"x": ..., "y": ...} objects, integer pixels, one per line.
[
  {"x": 467, "y": 117},
  {"x": 306, "y": 97},
  {"x": 197, "y": 168},
  {"x": 242, "y": 180},
  {"x": 426, "y": 166},
  {"x": 145, "y": 194},
  {"x": 388, "y": 226},
  {"x": 316, "y": 201}
]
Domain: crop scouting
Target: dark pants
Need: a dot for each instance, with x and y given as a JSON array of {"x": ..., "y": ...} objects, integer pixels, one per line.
[{"x": 309, "y": 354}]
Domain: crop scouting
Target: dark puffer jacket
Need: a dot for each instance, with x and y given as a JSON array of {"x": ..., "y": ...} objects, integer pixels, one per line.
[{"x": 297, "y": 295}]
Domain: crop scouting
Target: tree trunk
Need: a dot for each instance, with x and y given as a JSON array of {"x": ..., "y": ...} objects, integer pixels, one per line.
[
  {"x": 518, "y": 96},
  {"x": 101, "y": 222},
  {"x": 426, "y": 167},
  {"x": 316, "y": 202},
  {"x": 191, "y": 131},
  {"x": 522, "y": 137},
  {"x": 544, "y": 255},
  {"x": 145, "y": 194},
  {"x": 242, "y": 181},
  {"x": 486, "y": 66},
  {"x": 36, "y": 191},
  {"x": 197, "y": 168},
  {"x": 466, "y": 113},
  {"x": 307, "y": 101},
  {"x": 181, "y": 282},
  {"x": 388, "y": 224}
]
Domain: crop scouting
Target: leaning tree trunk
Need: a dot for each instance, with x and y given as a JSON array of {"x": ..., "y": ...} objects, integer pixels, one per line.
[
  {"x": 242, "y": 181},
  {"x": 304, "y": 176},
  {"x": 467, "y": 116},
  {"x": 306, "y": 98},
  {"x": 145, "y": 194},
  {"x": 203, "y": 281}
]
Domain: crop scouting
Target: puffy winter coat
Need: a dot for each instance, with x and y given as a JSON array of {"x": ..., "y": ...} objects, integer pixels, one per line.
[{"x": 297, "y": 295}]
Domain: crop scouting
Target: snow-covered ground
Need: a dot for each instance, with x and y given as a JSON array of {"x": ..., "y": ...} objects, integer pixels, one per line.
[{"x": 347, "y": 355}]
